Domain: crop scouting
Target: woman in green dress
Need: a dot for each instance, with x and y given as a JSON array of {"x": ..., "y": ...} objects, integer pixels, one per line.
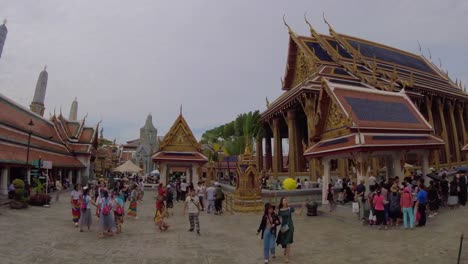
[{"x": 286, "y": 234}]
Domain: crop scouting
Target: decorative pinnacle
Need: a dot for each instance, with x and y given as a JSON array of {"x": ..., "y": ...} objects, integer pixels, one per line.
[
  {"x": 286, "y": 24},
  {"x": 5, "y": 21},
  {"x": 45, "y": 67}
]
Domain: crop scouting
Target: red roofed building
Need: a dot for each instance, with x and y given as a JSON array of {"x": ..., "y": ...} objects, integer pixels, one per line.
[{"x": 69, "y": 145}]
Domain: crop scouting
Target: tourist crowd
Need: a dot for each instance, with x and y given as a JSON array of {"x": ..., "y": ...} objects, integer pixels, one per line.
[
  {"x": 392, "y": 201},
  {"x": 111, "y": 201}
]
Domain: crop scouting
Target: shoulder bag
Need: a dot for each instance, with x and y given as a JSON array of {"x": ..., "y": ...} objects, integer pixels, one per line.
[{"x": 285, "y": 228}]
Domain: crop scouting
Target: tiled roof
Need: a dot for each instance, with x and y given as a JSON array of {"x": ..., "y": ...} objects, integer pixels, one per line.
[
  {"x": 17, "y": 155},
  {"x": 179, "y": 157},
  {"x": 373, "y": 142}
]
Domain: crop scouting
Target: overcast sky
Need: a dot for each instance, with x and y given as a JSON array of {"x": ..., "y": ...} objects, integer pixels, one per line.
[{"x": 125, "y": 59}]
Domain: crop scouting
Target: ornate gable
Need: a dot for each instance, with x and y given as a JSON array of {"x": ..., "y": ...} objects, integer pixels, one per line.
[{"x": 180, "y": 138}]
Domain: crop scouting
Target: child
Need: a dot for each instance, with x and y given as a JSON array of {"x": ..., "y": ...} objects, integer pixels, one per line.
[
  {"x": 161, "y": 213},
  {"x": 132, "y": 209}
]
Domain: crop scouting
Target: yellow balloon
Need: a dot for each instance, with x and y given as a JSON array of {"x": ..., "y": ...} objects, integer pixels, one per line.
[{"x": 289, "y": 184}]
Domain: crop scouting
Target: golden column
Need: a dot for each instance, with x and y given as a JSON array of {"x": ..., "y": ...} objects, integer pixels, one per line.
[
  {"x": 309, "y": 107},
  {"x": 461, "y": 108},
  {"x": 277, "y": 148},
  {"x": 440, "y": 106},
  {"x": 291, "y": 119},
  {"x": 259, "y": 154},
  {"x": 454, "y": 129},
  {"x": 431, "y": 121},
  {"x": 268, "y": 157}
]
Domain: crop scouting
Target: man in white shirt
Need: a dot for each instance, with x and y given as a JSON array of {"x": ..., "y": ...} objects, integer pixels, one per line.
[
  {"x": 210, "y": 196},
  {"x": 183, "y": 189},
  {"x": 192, "y": 205},
  {"x": 201, "y": 190},
  {"x": 372, "y": 180}
]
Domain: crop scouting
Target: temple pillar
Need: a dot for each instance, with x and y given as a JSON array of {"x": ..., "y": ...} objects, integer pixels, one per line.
[
  {"x": 291, "y": 119},
  {"x": 375, "y": 167},
  {"x": 440, "y": 106},
  {"x": 431, "y": 122},
  {"x": 195, "y": 175},
  {"x": 268, "y": 156},
  {"x": 78, "y": 177},
  {"x": 425, "y": 166},
  {"x": 460, "y": 109},
  {"x": 389, "y": 166},
  {"x": 342, "y": 168},
  {"x": 4, "y": 179},
  {"x": 312, "y": 170},
  {"x": 278, "y": 148},
  {"x": 325, "y": 179},
  {"x": 454, "y": 131},
  {"x": 398, "y": 163},
  {"x": 300, "y": 148},
  {"x": 259, "y": 154}
]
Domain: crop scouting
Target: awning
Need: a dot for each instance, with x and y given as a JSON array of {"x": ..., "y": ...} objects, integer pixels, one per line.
[
  {"x": 373, "y": 142},
  {"x": 190, "y": 157}
]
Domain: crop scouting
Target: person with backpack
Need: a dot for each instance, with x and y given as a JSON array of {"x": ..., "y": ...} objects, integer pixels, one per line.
[
  {"x": 106, "y": 219},
  {"x": 192, "y": 205},
  {"x": 119, "y": 211},
  {"x": 395, "y": 205},
  {"x": 86, "y": 219},
  {"x": 219, "y": 198}
]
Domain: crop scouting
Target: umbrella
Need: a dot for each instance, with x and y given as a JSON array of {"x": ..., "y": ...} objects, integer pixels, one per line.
[{"x": 128, "y": 166}]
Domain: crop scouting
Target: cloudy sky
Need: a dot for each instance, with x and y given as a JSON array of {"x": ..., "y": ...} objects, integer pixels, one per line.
[{"x": 125, "y": 59}]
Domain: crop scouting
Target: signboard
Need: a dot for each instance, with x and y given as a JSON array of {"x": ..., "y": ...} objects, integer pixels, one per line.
[{"x": 46, "y": 164}]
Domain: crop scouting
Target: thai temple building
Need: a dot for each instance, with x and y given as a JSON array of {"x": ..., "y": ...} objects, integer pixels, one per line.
[
  {"x": 26, "y": 135},
  {"x": 344, "y": 96}
]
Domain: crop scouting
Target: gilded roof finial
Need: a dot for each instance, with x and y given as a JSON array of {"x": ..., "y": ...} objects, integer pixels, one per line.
[
  {"x": 430, "y": 54},
  {"x": 267, "y": 102},
  {"x": 45, "y": 67},
  {"x": 312, "y": 30},
  {"x": 180, "y": 109},
  {"x": 5, "y": 21},
  {"x": 286, "y": 24},
  {"x": 330, "y": 28},
  {"x": 420, "y": 48},
  {"x": 282, "y": 82}
]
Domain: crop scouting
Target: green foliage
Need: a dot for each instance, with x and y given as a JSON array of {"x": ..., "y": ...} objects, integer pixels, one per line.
[
  {"x": 18, "y": 183},
  {"x": 103, "y": 141},
  {"x": 232, "y": 137},
  {"x": 38, "y": 186}
]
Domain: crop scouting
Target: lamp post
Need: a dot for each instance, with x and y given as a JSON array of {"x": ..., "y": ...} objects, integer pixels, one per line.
[{"x": 28, "y": 175}]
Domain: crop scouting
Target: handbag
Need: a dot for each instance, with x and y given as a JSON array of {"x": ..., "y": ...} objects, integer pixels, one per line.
[
  {"x": 355, "y": 207},
  {"x": 285, "y": 228}
]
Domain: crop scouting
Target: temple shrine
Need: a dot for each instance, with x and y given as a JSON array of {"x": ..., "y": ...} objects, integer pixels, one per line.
[
  {"x": 180, "y": 152},
  {"x": 343, "y": 95}
]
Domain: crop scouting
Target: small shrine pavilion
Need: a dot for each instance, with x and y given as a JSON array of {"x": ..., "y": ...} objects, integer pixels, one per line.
[
  {"x": 358, "y": 123},
  {"x": 180, "y": 152}
]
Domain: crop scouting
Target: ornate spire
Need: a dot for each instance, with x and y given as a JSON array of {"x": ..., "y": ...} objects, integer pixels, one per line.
[
  {"x": 37, "y": 104},
  {"x": 73, "y": 116},
  {"x": 3, "y": 35},
  {"x": 5, "y": 21}
]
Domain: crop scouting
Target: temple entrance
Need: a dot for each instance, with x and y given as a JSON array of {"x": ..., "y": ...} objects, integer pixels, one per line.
[{"x": 180, "y": 155}]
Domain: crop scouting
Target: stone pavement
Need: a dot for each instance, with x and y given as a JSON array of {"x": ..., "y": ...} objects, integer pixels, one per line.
[{"x": 47, "y": 235}]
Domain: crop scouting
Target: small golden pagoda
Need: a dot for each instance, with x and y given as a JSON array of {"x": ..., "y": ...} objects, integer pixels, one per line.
[{"x": 248, "y": 195}]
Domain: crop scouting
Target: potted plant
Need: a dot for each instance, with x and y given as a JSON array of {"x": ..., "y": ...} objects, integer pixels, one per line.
[
  {"x": 39, "y": 198},
  {"x": 19, "y": 199}
]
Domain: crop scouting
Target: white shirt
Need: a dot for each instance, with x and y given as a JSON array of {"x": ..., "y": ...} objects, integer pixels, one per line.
[
  {"x": 210, "y": 192},
  {"x": 201, "y": 191},
  {"x": 192, "y": 203},
  {"x": 75, "y": 194},
  {"x": 371, "y": 180},
  {"x": 183, "y": 187},
  {"x": 87, "y": 200}
]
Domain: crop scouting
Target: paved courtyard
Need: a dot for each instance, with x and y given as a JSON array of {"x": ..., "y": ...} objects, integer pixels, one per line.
[{"x": 41, "y": 235}]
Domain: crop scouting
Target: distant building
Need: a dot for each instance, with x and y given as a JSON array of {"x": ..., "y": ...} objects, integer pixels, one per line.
[
  {"x": 3, "y": 35},
  {"x": 140, "y": 150}
]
